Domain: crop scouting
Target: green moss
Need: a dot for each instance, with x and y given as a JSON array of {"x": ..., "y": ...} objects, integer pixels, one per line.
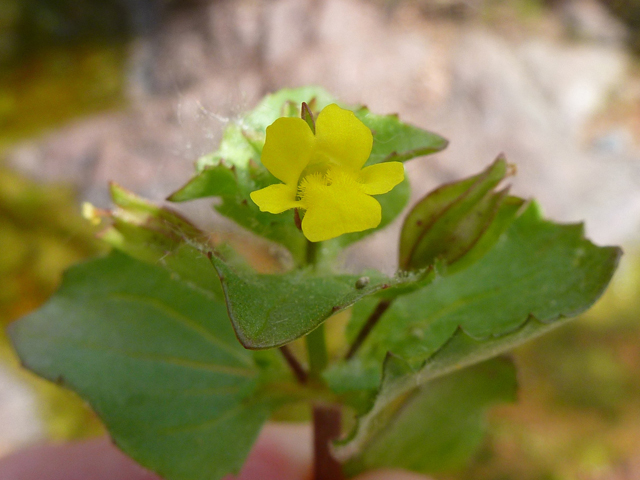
[{"x": 41, "y": 234}]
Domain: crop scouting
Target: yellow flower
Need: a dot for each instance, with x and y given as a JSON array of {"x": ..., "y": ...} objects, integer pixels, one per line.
[{"x": 323, "y": 174}]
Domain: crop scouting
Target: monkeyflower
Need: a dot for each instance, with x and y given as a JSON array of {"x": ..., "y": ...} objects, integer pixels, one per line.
[{"x": 322, "y": 174}]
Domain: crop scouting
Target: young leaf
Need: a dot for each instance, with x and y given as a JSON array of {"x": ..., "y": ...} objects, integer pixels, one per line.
[
  {"x": 449, "y": 221},
  {"x": 157, "y": 360},
  {"x": 307, "y": 116},
  {"x": 238, "y": 147},
  {"x": 138, "y": 211},
  {"x": 286, "y": 103},
  {"x": 440, "y": 425}
]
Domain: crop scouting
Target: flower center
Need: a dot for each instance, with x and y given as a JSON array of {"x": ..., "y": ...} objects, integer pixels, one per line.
[{"x": 317, "y": 180}]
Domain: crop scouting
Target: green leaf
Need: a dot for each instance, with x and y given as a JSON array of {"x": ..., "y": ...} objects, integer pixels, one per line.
[
  {"x": 449, "y": 221},
  {"x": 272, "y": 310},
  {"x": 537, "y": 275},
  {"x": 277, "y": 228},
  {"x": 399, "y": 378},
  {"x": 139, "y": 211},
  {"x": 440, "y": 425},
  {"x": 508, "y": 212},
  {"x": 157, "y": 360},
  {"x": 537, "y": 268}
]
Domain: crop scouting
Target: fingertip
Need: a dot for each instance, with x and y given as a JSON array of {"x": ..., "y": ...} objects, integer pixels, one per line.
[
  {"x": 95, "y": 459},
  {"x": 282, "y": 452}
]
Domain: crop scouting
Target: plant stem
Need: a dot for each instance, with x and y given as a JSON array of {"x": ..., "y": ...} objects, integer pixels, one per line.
[
  {"x": 317, "y": 349},
  {"x": 371, "y": 322},
  {"x": 326, "y": 419},
  {"x": 294, "y": 364},
  {"x": 326, "y": 427},
  {"x": 313, "y": 248}
]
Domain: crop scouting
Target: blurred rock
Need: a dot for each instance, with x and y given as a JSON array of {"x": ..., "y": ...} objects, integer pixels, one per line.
[
  {"x": 18, "y": 404},
  {"x": 531, "y": 97},
  {"x": 590, "y": 20}
]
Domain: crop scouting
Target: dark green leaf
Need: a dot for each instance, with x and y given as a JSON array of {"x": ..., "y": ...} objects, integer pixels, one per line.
[
  {"x": 440, "y": 425},
  {"x": 400, "y": 378},
  {"x": 537, "y": 268},
  {"x": 157, "y": 360},
  {"x": 537, "y": 275},
  {"x": 277, "y": 228}
]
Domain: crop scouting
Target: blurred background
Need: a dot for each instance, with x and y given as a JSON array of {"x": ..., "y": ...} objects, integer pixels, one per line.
[{"x": 135, "y": 90}]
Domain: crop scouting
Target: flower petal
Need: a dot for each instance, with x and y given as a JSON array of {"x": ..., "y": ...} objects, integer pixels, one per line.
[
  {"x": 381, "y": 178},
  {"x": 287, "y": 148},
  {"x": 335, "y": 209},
  {"x": 276, "y": 198},
  {"x": 341, "y": 137}
]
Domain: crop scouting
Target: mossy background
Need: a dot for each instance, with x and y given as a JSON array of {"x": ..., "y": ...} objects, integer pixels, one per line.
[{"x": 580, "y": 386}]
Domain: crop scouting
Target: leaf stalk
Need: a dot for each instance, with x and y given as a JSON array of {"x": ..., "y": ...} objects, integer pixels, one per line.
[
  {"x": 383, "y": 306},
  {"x": 300, "y": 373}
]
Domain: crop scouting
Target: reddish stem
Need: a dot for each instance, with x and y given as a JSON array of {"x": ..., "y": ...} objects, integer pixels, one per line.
[
  {"x": 371, "y": 322},
  {"x": 297, "y": 369},
  {"x": 326, "y": 427}
]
